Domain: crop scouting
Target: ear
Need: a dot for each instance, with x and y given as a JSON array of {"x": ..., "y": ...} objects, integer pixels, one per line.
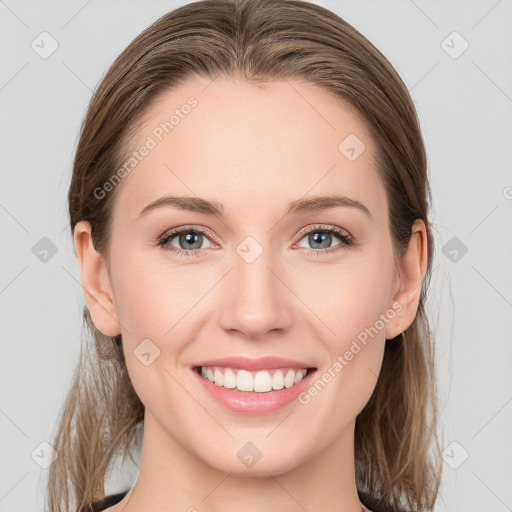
[
  {"x": 95, "y": 282},
  {"x": 412, "y": 268}
]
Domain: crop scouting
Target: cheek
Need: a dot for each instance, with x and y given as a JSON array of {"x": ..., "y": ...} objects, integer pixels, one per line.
[
  {"x": 151, "y": 308},
  {"x": 150, "y": 299},
  {"x": 348, "y": 298},
  {"x": 158, "y": 310},
  {"x": 353, "y": 302}
]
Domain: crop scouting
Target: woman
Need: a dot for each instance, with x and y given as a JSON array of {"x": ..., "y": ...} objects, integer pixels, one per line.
[{"x": 250, "y": 211}]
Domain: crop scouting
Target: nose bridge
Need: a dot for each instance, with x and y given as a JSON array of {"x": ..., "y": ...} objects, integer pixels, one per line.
[{"x": 256, "y": 300}]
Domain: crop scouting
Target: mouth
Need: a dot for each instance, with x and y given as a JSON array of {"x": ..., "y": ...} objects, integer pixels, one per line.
[
  {"x": 253, "y": 387},
  {"x": 255, "y": 381}
]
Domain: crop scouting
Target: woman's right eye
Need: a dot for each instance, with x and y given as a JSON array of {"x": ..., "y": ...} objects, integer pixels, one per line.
[{"x": 189, "y": 241}]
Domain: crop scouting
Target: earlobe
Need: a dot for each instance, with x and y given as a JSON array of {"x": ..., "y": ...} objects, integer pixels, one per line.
[
  {"x": 412, "y": 270},
  {"x": 95, "y": 282}
]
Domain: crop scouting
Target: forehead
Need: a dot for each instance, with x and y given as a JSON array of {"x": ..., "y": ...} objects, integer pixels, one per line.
[{"x": 245, "y": 144}]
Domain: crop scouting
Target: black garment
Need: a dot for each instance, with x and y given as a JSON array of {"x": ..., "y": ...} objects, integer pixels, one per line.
[{"x": 108, "y": 501}]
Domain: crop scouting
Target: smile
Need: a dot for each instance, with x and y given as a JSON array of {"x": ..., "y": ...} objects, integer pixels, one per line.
[
  {"x": 252, "y": 391},
  {"x": 260, "y": 381}
]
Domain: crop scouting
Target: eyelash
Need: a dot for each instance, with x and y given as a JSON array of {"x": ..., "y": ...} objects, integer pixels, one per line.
[{"x": 347, "y": 240}]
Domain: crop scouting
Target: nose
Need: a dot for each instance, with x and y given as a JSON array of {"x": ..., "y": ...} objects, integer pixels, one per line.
[{"x": 257, "y": 302}]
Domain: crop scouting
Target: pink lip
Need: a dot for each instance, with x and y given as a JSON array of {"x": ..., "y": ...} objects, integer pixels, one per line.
[
  {"x": 252, "y": 403},
  {"x": 263, "y": 363}
]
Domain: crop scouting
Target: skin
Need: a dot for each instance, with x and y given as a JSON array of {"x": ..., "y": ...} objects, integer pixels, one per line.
[{"x": 253, "y": 149}]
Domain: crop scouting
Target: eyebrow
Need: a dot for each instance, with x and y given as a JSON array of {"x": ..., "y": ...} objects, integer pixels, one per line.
[{"x": 303, "y": 205}]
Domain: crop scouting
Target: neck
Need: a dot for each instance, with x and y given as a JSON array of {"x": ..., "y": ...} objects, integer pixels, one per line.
[{"x": 171, "y": 477}]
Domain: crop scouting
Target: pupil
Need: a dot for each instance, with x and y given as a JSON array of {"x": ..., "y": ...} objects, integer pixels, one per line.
[
  {"x": 191, "y": 238},
  {"x": 321, "y": 237}
]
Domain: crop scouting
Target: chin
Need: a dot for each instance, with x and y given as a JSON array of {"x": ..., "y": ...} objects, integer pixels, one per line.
[{"x": 247, "y": 460}]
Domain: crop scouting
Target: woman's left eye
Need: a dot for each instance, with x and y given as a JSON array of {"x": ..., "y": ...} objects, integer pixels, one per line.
[
  {"x": 320, "y": 237},
  {"x": 190, "y": 241}
]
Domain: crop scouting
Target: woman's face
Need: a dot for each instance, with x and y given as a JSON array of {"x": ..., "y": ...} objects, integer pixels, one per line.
[{"x": 259, "y": 271}]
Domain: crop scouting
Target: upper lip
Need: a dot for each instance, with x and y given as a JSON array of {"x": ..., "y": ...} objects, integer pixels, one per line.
[{"x": 263, "y": 363}]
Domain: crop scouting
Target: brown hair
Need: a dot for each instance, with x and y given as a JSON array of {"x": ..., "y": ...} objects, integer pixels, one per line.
[{"x": 259, "y": 41}]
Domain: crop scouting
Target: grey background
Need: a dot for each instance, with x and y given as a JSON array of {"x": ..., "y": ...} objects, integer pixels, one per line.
[{"x": 465, "y": 107}]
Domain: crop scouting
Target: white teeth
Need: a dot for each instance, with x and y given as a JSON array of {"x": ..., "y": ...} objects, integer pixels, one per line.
[
  {"x": 244, "y": 381},
  {"x": 289, "y": 379},
  {"x": 229, "y": 379},
  {"x": 262, "y": 382},
  {"x": 258, "y": 381},
  {"x": 219, "y": 377},
  {"x": 278, "y": 381},
  {"x": 299, "y": 376}
]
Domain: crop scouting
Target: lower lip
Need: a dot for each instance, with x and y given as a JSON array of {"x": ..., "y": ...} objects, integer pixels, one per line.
[{"x": 249, "y": 402}]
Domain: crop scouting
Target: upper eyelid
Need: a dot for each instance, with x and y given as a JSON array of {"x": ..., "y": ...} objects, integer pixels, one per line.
[
  {"x": 324, "y": 227},
  {"x": 186, "y": 228}
]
